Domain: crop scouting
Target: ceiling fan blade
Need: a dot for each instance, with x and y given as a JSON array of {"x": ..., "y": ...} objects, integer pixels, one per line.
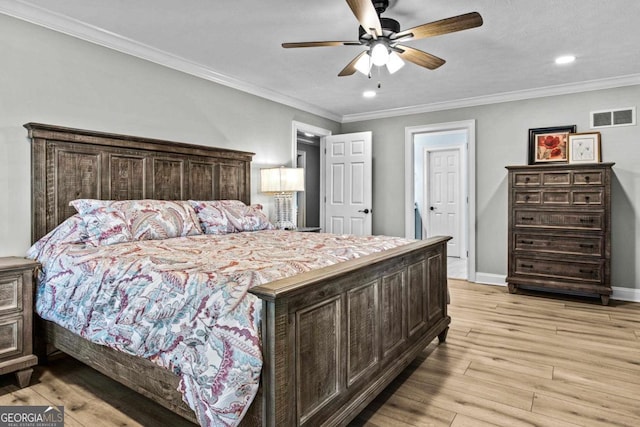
[
  {"x": 320, "y": 44},
  {"x": 351, "y": 66},
  {"x": 367, "y": 16},
  {"x": 419, "y": 57},
  {"x": 444, "y": 26}
]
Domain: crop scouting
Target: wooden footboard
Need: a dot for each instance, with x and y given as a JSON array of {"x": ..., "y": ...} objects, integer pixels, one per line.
[{"x": 332, "y": 339}]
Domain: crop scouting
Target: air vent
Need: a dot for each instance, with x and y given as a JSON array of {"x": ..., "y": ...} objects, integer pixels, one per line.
[{"x": 612, "y": 118}]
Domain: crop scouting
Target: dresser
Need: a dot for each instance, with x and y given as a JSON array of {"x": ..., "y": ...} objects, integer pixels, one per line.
[
  {"x": 560, "y": 228},
  {"x": 16, "y": 318}
]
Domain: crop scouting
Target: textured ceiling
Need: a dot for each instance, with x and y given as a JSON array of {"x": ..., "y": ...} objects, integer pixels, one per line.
[{"x": 238, "y": 42}]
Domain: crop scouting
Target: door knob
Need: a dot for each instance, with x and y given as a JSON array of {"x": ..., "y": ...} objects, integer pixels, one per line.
[
  {"x": 364, "y": 211},
  {"x": 432, "y": 208}
]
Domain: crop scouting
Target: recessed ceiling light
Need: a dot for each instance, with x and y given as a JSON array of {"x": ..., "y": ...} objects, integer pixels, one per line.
[
  {"x": 369, "y": 93},
  {"x": 567, "y": 59}
]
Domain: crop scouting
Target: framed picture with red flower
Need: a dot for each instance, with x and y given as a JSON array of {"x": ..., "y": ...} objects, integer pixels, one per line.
[{"x": 549, "y": 144}]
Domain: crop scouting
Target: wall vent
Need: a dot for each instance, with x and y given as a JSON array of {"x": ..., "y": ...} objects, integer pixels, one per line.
[{"x": 612, "y": 118}]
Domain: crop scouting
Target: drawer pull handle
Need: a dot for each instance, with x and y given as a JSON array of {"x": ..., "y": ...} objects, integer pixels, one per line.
[
  {"x": 527, "y": 179},
  {"x": 527, "y": 198},
  {"x": 526, "y": 242},
  {"x": 586, "y": 271},
  {"x": 582, "y": 245},
  {"x": 526, "y": 265},
  {"x": 527, "y": 218},
  {"x": 586, "y": 198},
  {"x": 590, "y": 220}
]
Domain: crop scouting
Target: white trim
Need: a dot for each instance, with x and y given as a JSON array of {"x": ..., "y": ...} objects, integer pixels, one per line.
[
  {"x": 619, "y": 294},
  {"x": 470, "y": 127},
  {"x": 610, "y": 83},
  {"x": 72, "y": 27},
  {"x": 40, "y": 16},
  {"x": 625, "y": 294},
  {"x": 491, "y": 279}
]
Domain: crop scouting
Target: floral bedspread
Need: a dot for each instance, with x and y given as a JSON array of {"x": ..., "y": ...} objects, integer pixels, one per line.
[{"x": 184, "y": 302}]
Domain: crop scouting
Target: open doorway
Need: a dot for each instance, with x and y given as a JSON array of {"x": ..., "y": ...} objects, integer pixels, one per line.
[
  {"x": 440, "y": 190},
  {"x": 307, "y": 146}
]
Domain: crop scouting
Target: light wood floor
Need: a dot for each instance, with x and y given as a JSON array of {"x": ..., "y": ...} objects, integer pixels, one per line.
[{"x": 509, "y": 360}]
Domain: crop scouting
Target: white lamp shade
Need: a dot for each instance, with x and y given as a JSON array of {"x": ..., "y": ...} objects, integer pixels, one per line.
[
  {"x": 281, "y": 180},
  {"x": 364, "y": 64},
  {"x": 379, "y": 54},
  {"x": 395, "y": 62}
]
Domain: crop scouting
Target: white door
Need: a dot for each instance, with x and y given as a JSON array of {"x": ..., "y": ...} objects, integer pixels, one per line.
[
  {"x": 347, "y": 185},
  {"x": 443, "y": 197}
]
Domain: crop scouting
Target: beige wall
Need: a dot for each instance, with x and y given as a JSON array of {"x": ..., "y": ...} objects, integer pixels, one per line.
[{"x": 48, "y": 77}]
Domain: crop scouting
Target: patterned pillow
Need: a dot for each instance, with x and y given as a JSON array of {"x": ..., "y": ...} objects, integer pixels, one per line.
[
  {"x": 248, "y": 218},
  {"x": 112, "y": 222},
  {"x": 213, "y": 215},
  {"x": 72, "y": 230}
]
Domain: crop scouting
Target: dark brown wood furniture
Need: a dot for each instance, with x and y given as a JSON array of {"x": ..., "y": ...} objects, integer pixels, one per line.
[
  {"x": 560, "y": 227},
  {"x": 332, "y": 338},
  {"x": 16, "y": 318}
]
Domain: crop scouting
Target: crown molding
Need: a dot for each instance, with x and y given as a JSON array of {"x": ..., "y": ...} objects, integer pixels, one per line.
[
  {"x": 591, "y": 85},
  {"x": 64, "y": 24},
  {"x": 61, "y": 23}
]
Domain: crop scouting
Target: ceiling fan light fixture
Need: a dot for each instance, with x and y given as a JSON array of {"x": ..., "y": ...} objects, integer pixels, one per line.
[
  {"x": 395, "y": 62},
  {"x": 379, "y": 54},
  {"x": 363, "y": 64}
]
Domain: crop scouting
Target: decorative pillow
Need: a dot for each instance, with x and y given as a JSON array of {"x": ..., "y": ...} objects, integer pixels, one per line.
[
  {"x": 212, "y": 215},
  {"x": 248, "y": 218},
  {"x": 131, "y": 220},
  {"x": 71, "y": 230}
]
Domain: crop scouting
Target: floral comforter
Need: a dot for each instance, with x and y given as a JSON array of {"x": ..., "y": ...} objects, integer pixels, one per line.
[{"x": 184, "y": 303}]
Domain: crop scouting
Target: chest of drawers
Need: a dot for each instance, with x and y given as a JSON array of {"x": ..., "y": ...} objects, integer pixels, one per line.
[
  {"x": 560, "y": 228},
  {"x": 16, "y": 318}
]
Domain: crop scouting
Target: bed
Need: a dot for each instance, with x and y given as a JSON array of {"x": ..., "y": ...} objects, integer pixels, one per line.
[{"x": 366, "y": 318}]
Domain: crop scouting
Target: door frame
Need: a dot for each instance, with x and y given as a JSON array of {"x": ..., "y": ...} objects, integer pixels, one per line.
[
  {"x": 468, "y": 175},
  {"x": 322, "y": 133}
]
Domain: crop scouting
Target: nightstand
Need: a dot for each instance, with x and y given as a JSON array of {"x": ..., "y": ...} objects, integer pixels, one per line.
[{"x": 16, "y": 318}]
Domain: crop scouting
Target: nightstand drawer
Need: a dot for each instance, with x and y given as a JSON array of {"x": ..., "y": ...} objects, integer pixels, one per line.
[
  {"x": 10, "y": 337},
  {"x": 11, "y": 293}
]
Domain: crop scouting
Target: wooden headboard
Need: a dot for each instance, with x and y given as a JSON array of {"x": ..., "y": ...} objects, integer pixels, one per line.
[{"x": 69, "y": 164}]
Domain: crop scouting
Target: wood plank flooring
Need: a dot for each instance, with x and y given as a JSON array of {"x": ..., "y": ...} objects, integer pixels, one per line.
[{"x": 509, "y": 360}]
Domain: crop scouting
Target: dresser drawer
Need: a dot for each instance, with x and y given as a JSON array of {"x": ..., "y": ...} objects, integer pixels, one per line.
[
  {"x": 11, "y": 293},
  {"x": 560, "y": 269},
  {"x": 575, "y": 220},
  {"x": 559, "y": 197},
  {"x": 521, "y": 179},
  {"x": 10, "y": 337},
  {"x": 559, "y": 244},
  {"x": 595, "y": 177},
  {"x": 556, "y": 178}
]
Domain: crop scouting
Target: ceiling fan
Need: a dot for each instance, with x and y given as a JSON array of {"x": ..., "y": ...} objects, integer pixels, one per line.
[{"x": 382, "y": 37}]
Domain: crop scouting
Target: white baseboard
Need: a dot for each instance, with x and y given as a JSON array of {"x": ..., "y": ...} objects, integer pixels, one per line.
[
  {"x": 625, "y": 294},
  {"x": 619, "y": 293},
  {"x": 490, "y": 279}
]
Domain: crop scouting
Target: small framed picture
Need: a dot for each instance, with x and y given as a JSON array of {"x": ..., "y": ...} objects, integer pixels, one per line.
[
  {"x": 549, "y": 144},
  {"x": 584, "y": 147}
]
